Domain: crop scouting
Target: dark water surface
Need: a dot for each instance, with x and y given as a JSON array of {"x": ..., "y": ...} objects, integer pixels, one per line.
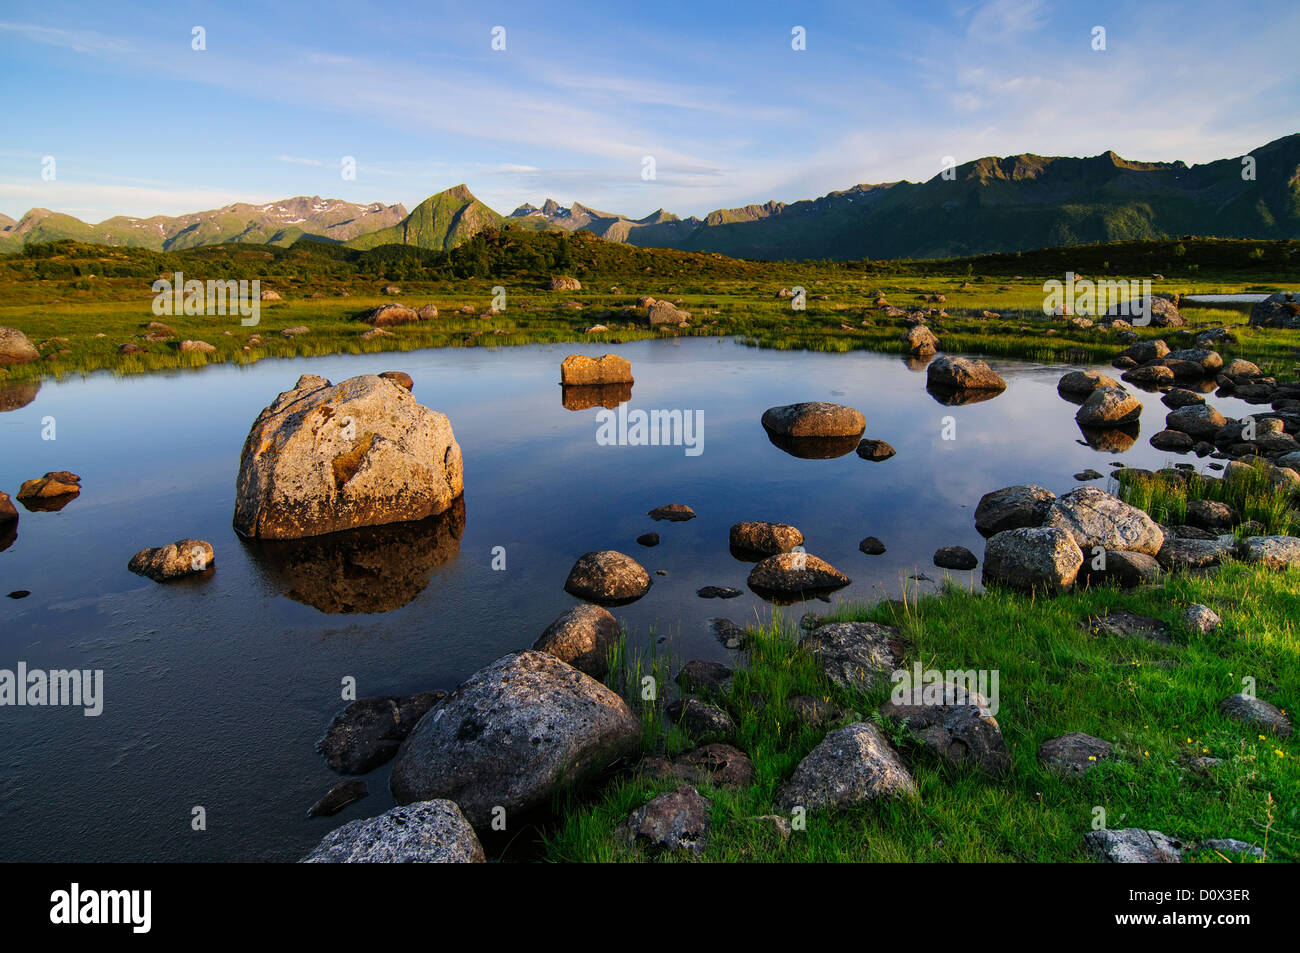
[{"x": 216, "y": 688}]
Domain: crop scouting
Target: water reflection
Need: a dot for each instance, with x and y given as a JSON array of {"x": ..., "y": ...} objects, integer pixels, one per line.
[
  {"x": 586, "y": 396},
  {"x": 15, "y": 396},
  {"x": 814, "y": 448},
  {"x": 368, "y": 570},
  {"x": 1110, "y": 439},
  {"x": 955, "y": 397}
]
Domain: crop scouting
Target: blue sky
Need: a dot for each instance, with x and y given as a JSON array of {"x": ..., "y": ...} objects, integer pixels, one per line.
[{"x": 139, "y": 123}]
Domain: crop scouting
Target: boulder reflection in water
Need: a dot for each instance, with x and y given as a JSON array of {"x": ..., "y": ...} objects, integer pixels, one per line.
[{"x": 367, "y": 570}]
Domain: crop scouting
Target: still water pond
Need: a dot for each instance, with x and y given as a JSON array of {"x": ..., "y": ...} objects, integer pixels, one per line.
[{"x": 217, "y": 688}]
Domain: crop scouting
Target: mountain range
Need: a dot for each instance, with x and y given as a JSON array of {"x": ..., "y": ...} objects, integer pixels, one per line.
[
  {"x": 276, "y": 223},
  {"x": 992, "y": 204}
]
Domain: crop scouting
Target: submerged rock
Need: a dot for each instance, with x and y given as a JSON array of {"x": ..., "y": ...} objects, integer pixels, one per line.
[
  {"x": 339, "y": 797},
  {"x": 607, "y": 577},
  {"x": 181, "y": 558},
  {"x": 875, "y": 450},
  {"x": 368, "y": 732}
]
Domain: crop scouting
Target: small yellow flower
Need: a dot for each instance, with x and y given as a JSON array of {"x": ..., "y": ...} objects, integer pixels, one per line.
[
  {"x": 1205, "y": 751},
  {"x": 1092, "y": 757},
  {"x": 1146, "y": 754},
  {"x": 1189, "y": 740},
  {"x": 1278, "y": 752},
  {"x": 1262, "y": 738}
]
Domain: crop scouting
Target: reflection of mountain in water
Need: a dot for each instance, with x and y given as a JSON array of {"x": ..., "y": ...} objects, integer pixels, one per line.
[
  {"x": 372, "y": 569},
  {"x": 14, "y": 396},
  {"x": 586, "y": 396}
]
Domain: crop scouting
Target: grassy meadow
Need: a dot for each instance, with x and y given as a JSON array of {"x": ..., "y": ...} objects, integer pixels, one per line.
[
  {"x": 1157, "y": 704},
  {"x": 80, "y": 302}
]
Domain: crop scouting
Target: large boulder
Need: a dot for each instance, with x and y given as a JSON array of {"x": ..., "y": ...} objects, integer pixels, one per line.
[
  {"x": 430, "y": 832},
  {"x": 1094, "y": 517},
  {"x": 1012, "y": 507},
  {"x": 15, "y": 348},
  {"x": 512, "y": 736},
  {"x": 1040, "y": 557},
  {"x": 855, "y": 655},
  {"x": 583, "y": 636},
  {"x": 814, "y": 419},
  {"x": 565, "y": 283},
  {"x": 364, "y": 452},
  {"x": 181, "y": 558},
  {"x": 948, "y": 373},
  {"x": 1281, "y": 310},
  {"x": 608, "y": 577},
  {"x": 607, "y": 369},
  {"x": 853, "y": 765},
  {"x": 766, "y": 539},
  {"x": 1108, "y": 407}
]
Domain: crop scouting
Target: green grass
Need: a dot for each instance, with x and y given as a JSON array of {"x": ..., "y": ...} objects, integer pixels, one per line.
[
  {"x": 1251, "y": 492},
  {"x": 76, "y": 292},
  {"x": 1156, "y": 704}
]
